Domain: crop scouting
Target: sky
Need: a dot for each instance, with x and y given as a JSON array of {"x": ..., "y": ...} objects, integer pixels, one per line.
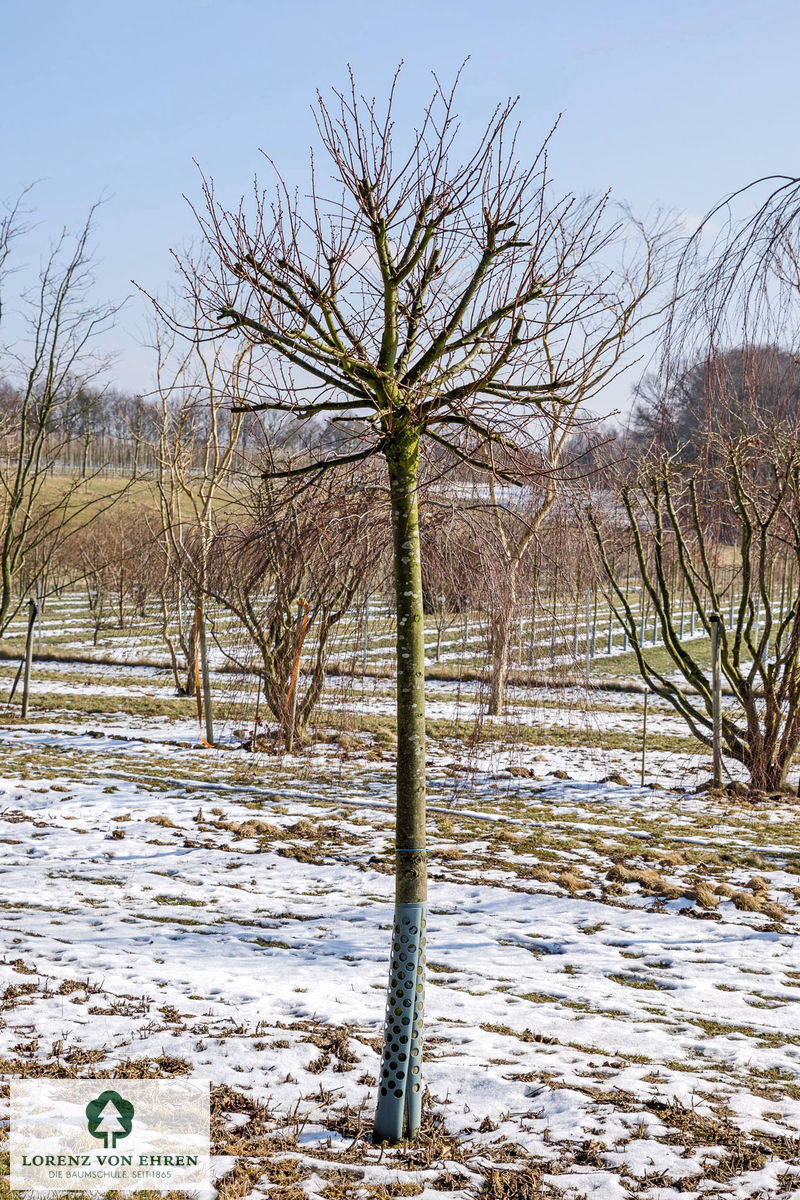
[{"x": 670, "y": 105}]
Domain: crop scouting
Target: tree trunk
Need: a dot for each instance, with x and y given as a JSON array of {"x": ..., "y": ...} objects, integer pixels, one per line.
[
  {"x": 776, "y": 777},
  {"x": 5, "y": 592},
  {"x": 190, "y": 653},
  {"x": 502, "y": 627},
  {"x": 768, "y": 772},
  {"x": 501, "y": 655},
  {"x": 173, "y": 658},
  {"x": 400, "y": 1090}
]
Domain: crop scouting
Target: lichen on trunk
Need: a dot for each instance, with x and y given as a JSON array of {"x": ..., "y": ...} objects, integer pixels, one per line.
[{"x": 402, "y": 456}]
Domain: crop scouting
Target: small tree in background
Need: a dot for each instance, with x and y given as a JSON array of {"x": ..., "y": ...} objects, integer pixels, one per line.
[
  {"x": 49, "y": 367},
  {"x": 113, "y": 560},
  {"x": 680, "y": 520},
  {"x": 451, "y": 563},
  {"x": 714, "y": 509},
  {"x": 195, "y": 445},
  {"x": 595, "y": 349},
  {"x": 288, "y": 570},
  {"x": 432, "y": 300}
]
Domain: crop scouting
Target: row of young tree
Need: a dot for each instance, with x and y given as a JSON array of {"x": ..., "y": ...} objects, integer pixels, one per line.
[
  {"x": 709, "y": 525},
  {"x": 400, "y": 366},
  {"x": 670, "y": 538}
]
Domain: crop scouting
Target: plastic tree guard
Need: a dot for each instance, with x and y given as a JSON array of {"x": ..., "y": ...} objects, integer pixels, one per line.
[{"x": 400, "y": 1101}]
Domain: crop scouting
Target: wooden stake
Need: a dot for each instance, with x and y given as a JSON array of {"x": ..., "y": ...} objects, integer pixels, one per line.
[
  {"x": 254, "y": 738},
  {"x": 555, "y": 618},
  {"x": 588, "y": 634},
  {"x": 291, "y": 699},
  {"x": 366, "y": 638},
  {"x": 683, "y": 603},
  {"x": 716, "y": 698},
  {"x": 644, "y": 733},
  {"x": 38, "y": 616},
  {"x": 201, "y": 633},
  {"x": 26, "y": 677},
  {"x": 17, "y": 678},
  {"x": 532, "y": 639}
]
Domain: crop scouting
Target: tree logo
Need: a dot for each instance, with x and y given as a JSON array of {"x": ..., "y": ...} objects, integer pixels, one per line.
[{"x": 109, "y": 1116}]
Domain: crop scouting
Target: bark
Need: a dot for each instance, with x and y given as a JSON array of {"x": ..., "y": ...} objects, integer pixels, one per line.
[
  {"x": 402, "y": 457},
  {"x": 189, "y": 645},
  {"x": 501, "y": 656},
  {"x": 399, "y": 1109},
  {"x": 173, "y": 658},
  {"x": 5, "y": 590},
  {"x": 502, "y": 636},
  {"x": 768, "y": 772}
]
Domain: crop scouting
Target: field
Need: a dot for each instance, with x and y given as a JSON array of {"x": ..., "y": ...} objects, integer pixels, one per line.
[{"x": 613, "y": 999}]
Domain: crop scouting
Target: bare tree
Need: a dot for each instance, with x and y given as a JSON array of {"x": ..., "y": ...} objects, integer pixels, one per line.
[
  {"x": 586, "y": 340},
  {"x": 679, "y": 520},
  {"x": 728, "y": 391},
  {"x": 112, "y": 558},
  {"x": 717, "y": 520},
  {"x": 48, "y": 368},
  {"x": 410, "y": 307},
  {"x": 288, "y": 569},
  {"x": 450, "y": 561},
  {"x": 196, "y": 451}
]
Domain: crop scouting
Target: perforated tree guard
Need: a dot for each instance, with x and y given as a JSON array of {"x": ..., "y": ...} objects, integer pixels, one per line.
[{"x": 400, "y": 1100}]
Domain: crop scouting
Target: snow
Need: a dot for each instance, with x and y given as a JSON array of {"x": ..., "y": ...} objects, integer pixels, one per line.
[{"x": 151, "y": 923}]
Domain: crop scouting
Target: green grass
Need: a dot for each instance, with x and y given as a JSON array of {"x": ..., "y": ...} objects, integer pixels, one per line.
[{"x": 626, "y": 665}]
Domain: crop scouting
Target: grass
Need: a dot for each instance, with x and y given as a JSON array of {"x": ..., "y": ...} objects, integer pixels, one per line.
[
  {"x": 657, "y": 656},
  {"x": 636, "y": 981},
  {"x": 131, "y": 705},
  {"x": 137, "y": 493},
  {"x": 468, "y": 731}
]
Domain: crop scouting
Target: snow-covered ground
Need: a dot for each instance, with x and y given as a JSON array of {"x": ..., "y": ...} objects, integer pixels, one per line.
[{"x": 613, "y": 1003}]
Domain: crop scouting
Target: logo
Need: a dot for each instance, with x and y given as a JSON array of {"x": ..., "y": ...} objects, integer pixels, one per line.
[
  {"x": 74, "y": 1135},
  {"x": 109, "y": 1116}
]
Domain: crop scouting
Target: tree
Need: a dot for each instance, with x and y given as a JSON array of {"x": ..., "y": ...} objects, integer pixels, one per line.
[
  {"x": 113, "y": 558},
  {"x": 725, "y": 392},
  {"x": 674, "y": 515},
  {"x": 450, "y": 560},
  {"x": 735, "y": 320},
  {"x": 110, "y": 1116},
  {"x": 50, "y": 367},
  {"x": 411, "y": 308},
  {"x": 288, "y": 569},
  {"x": 195, "y": 447},
  {"x": 585, "y": 341}
]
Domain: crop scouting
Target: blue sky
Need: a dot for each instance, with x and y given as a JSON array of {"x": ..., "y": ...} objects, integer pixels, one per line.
[{"x": 670, "y": 105}]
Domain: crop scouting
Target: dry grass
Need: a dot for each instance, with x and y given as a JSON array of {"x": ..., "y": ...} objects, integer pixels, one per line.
[
  {"x": 521, "y": 1184},
  {"x": 572, "y": 881},
  {"x": 744, "y": 1152},
  {"x": 704, "y": 894},
  {"x": 648, "y": 880}
]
